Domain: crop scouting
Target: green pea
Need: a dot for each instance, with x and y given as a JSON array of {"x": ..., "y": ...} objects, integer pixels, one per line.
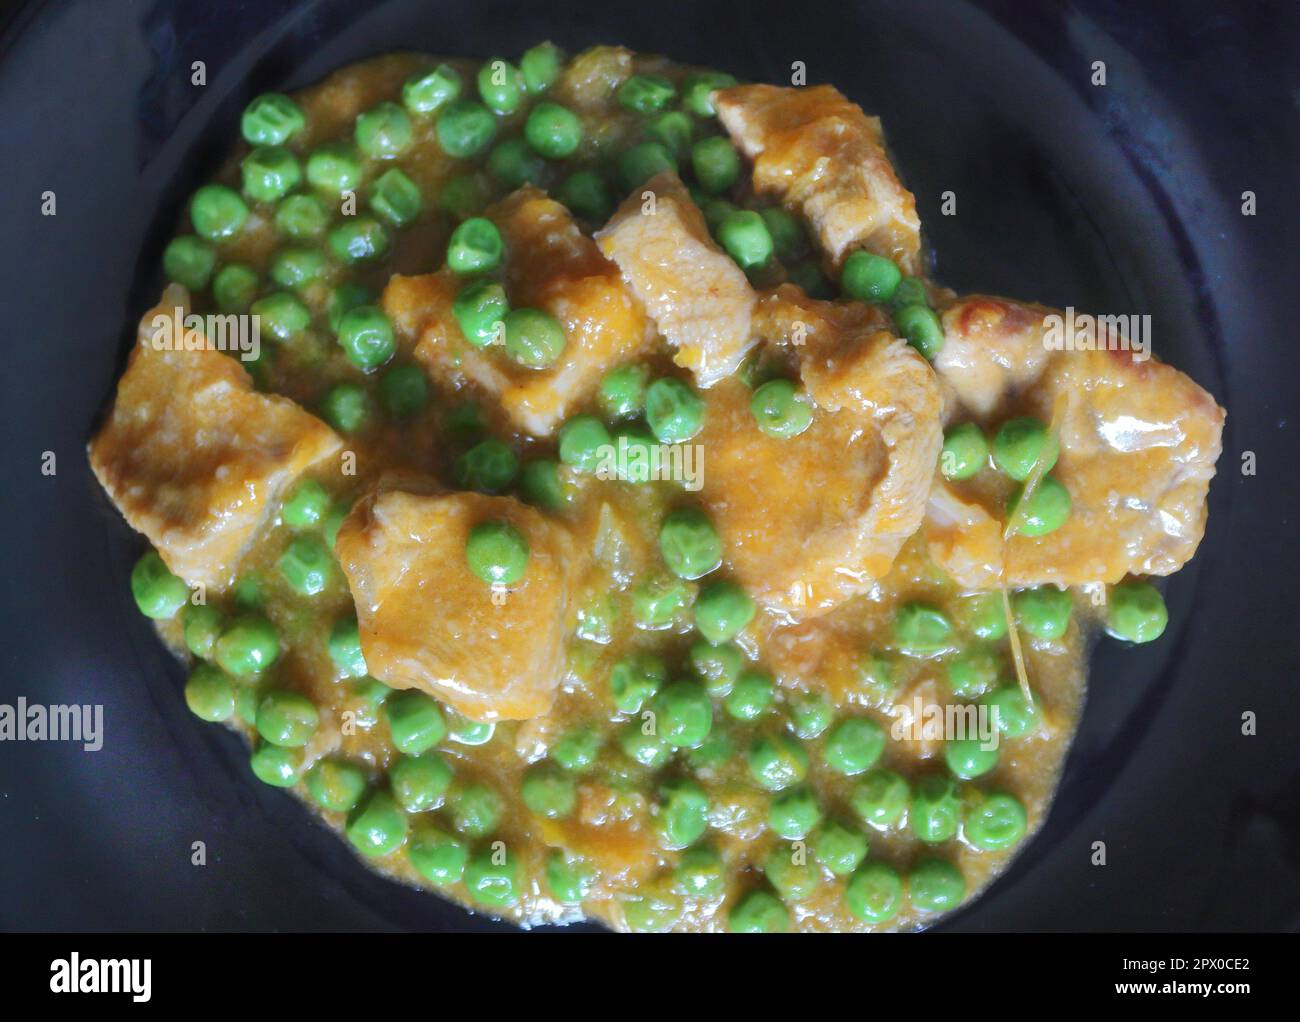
[
  {"x": 788, "y": 870},
  {"x": 301, "y": 217},
  {"x": 1136, "y": 612},
  {"x": 717, "y": 666},
  {"x": 645, "y": 94},
  {"x": 751, "y": 695},
  {"x": 383, "y": 131},
  {"x": 287, "y": 719},
  {"x": 500, "y": 85},
  {"x": 201, "y": 625},
  {"x": 875, "y": 893},
  {"x": 965, "y": 451},
  {"x": 700, "y": 873},
  {"x": 480, "y": 309},
  {"x": 745, "y": 236},
  {"x": 497, "y": 553},
  {"x": 419, "y": 783},
  {"x": 489, "y": 467},
  {"x": 378, "y": 826},
  {"x": 921, "y": 630},
  {"x": 334, "y": 520},
  {"x": 404, "y": 391},
  {"x": 476, "y": 810},
  {"x": 336, "y": 785},
  {"x": 777, "y": 763},
  {"x": 577, "y": 749},
  {"x": 936, "y": 886},
  {"x": 158, "y": 593},
  {"x": 811, "y": 713},
  {"x": 869, "y": 277},
  {"x": 698, "y": 89},
  {"x": 250, "y": 645},
  {"x": 305, "y": 507},
  {"x": 758, "y": 912},
  {"x": 622, "y": 392},
  {"x": 569, "y": 878},
  {"x": 1020, "y": 444},
  {"x": 682, "y": 814},
  {"x": 808, "y": 275},
  {"x": 585, "y": 195},
  {"x": 973, "y": 673},
  {"x": 583, "y": 443},
  {"x": 541, "y": 66},
  {"x": 276, "y": 766},
  {"x": 541, "y": 484},
  {"x": 247, "y": 696},
  {"x": 465, "y": 128},
  {"x": 1043, "y": 612},
  {"x": 967, "y": 758},
  {"x": 248, "y": 593},
  {"x": 343, "y": 299},
  {"x": 297, "y": 267},
  {"x": 635, "y": 679},
  {"x": 415, "y": 722},
  {"x": 307, "y": 566},
  {"x": 548, "y": 791},
  {"x": 359, "y": 239},
  {"x": 649, "y": 750},
  {"x": 672, "y": 129},
  {"x": 464, "y": 196},
  {"x": 715, "y": 751},
  {"x": 854, "y": 745},
  {"x": 935, "y": 809},
  {"x": 655, "y": 912},
  {"x": 881, "y": 798},
  {"x": 437, "y": 856},
  {"x": 1014, "y": 714},
  {"x": 533, "y": 338},
  {"x": 1045, "y": 511},
  {"x": 875, "y": 676},
  {"x": 690, "y": 545},
  {"x": 189, "y": 261},
  {"x": 787, "y": 232},
  {"x": 271, "y": 119},
  {"x": 553, "y": 131},
  {"x": 673, "y": 411},
  {"x": 779, "y": 411},
  {"x": 641, "y": 162},
  {"x": 334, "y": 167},
  {"x": 217, "y": 212},
  {"x": 210, "y": 694},
  {"x": 685, "y": 714},
  {"x": 794, "y": 813},
  {"x": 716, "y": 164},
  {"x": 983, "y": 616},
  {"x": 345, "y": 648},
  {"x": 722, "y": 611},
  {"x": 270, "y": 173},
  {"x": 657, "y": 600},
  {"x": 839, "y": 848},
  {"x": 469, "y": 732},
  {"x": 997, "y": 821},
  {"x": 396, "y": 198},
  {"x": 514, "y": 164},
  {"x": 911, "y": 291},
  {"x": 426, "y": 92},
  {"x": 281, "y": 314},
  {"x": 921, "y": 328}
]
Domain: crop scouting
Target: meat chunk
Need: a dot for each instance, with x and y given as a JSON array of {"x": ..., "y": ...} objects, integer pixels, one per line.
[
  {"x": 819, "y": 153},
  {"x": 192, "y": 456},
  {"x": 695, "y": 293},
  {"x": 550, "y": 265},
  {"x": 1139, "y": 441},
  {"x": 428, "y": 622},
  {"x": 811, "y": 520}
]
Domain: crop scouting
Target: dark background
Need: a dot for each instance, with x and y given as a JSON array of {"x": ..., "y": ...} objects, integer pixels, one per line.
[{"x": 1118, "y": 199}]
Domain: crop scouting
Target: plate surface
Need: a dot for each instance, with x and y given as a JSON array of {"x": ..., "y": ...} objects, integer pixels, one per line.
[{"x": 1122, "y": 198}]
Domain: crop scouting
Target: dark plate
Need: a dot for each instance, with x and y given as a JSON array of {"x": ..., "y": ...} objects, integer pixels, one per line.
[{"x": 1118, "y": 199}]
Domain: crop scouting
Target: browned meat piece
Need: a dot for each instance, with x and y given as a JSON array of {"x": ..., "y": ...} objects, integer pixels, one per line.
[
  {"x": 428, "y": 622},
  {"x": 193, "y": 457},
  {"x": 1139, "y": 441},
  {"x": 550, "y": 265},
  {"x": 819, "y": 153},
  {"x": 811, "y": 520},
  {"x": 695, "y": 293}
]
